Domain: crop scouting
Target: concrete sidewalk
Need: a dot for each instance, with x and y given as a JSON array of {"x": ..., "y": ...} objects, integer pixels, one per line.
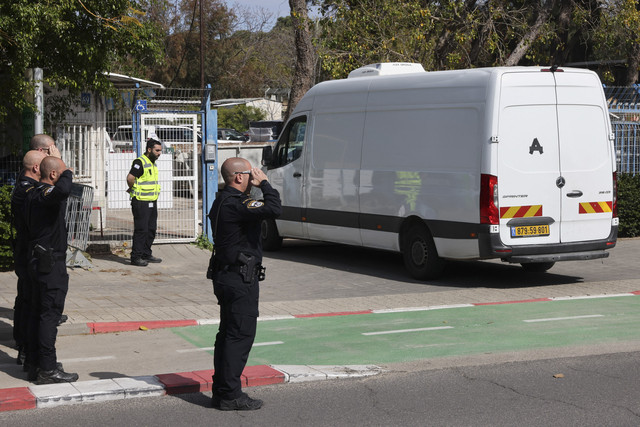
[{"x": 177, "y": 290}]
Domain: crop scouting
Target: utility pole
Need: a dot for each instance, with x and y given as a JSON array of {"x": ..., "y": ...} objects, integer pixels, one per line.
[{"x": 201, "y": 48}]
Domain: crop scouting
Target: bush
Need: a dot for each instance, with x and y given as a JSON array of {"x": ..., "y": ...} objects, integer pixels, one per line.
[
  {"x": 6, "y": 229},
  {"x": 238, "y": 117},
  {"x": 629, "y": 205}
]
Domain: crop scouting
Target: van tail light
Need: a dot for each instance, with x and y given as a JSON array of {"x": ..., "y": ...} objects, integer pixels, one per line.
[
  {"x": 489, "y": 212},
  {"x": 615, "y": 195}
]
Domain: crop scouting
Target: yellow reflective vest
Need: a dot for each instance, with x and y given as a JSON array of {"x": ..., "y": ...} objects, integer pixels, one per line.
[{"x": 146, "y": 187}]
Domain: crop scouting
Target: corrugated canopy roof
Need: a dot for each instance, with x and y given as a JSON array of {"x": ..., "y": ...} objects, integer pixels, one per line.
[{"x": 121, "y": 81}]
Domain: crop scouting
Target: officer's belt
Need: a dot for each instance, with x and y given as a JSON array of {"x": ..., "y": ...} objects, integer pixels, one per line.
[{"x": 235, "y": 268}]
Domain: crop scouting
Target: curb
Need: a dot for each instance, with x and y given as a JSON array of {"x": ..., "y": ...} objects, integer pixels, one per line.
[
  {"x": 51, "y": 395},
  {"x": 109, "y": 327}
]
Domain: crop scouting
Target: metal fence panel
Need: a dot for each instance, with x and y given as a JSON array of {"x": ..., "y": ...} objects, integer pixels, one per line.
[{"x": 624, "y": 111}]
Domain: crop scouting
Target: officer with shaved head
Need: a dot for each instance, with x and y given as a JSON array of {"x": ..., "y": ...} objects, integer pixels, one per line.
[
  {"x": 28, "y": 178},
  {"x": 45, "y": 215},
  {"x": 236, "y": 268}
]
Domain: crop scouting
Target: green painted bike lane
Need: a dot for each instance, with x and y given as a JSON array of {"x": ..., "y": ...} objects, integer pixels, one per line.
[{"x": 413, "y": 335}]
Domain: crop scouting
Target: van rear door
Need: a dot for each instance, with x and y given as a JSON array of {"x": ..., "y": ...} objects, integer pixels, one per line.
[
  {"x": 585, "y": 158},
  {"x": 528, "y": 160},
  {"x": 555, "y": 180}
]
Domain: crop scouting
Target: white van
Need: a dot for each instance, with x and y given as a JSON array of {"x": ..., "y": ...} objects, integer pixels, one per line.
[{"x": 513, "y": 163}]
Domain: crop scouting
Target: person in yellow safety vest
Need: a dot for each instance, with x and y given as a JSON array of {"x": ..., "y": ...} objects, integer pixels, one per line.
[{"x": 144, "y": 190}]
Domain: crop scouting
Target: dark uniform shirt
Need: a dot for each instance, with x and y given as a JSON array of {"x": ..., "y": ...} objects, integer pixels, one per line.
[
  {"x": 46, "y": 206},
  {"x": 238, "y": 225},
  {"x": 137, "y": 168},
  {"x": 18, "y": 198}
]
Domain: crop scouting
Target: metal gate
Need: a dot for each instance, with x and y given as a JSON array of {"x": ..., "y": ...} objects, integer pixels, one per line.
[{"x": 177, "y": 168}]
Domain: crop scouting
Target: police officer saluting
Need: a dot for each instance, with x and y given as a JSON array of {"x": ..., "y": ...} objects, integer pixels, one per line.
[
  {"x": 26, "y": 181},
  {"x": 144, "y": 189},
  {"x": 236, "y": 269},
  {"x": 45, "y": 210}
]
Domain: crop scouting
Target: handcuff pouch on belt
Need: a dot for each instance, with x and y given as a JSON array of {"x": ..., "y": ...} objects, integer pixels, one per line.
[
  {"x": 45, "y": 258},
  {"x": 213, "y": 266}
]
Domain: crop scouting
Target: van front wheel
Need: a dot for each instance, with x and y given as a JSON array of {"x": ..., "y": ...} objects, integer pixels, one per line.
[
  {"x": 420, "y": 255},
  {"x": 271, "y": 240}
]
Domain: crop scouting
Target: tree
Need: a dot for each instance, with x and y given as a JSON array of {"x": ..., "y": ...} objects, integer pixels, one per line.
[
  {"x": 73, "y": 41},
  {"x": 303, "y": 77},
  {"x": 618, "y": 37},
  {"x": 238, "y": 117},
  {"x": 476, "y": 33}
]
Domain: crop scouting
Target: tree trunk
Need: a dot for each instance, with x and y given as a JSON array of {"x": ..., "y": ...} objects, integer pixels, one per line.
[
  {"x": 633, "y": 64},
  {"x": 523, "y": 45},
  {"x": 303, "y": 76}
]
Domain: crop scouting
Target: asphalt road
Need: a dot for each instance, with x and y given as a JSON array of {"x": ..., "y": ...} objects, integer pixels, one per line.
[{"x": 596, "y": 390}]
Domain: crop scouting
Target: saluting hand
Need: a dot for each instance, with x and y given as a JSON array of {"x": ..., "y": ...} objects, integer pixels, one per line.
[{"x": 257, "y": 176}]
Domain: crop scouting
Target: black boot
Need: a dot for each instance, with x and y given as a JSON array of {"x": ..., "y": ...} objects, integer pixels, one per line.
[
  {"x": 21, "y": 355},
  {"x": 56, "y": 376}
]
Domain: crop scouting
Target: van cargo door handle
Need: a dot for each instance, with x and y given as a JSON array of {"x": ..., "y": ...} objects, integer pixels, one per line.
[
  {"x": 297, "y": 174},
  {"x": 575, "y": 193}
]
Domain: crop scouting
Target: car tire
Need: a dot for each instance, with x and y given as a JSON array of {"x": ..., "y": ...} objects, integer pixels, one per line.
[
  {"x": 420, "y": 254},
  {"x": 271, "y": 240}
]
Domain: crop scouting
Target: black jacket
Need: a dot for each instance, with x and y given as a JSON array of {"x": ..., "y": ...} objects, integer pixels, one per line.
[{"x": 238, "y": 224}]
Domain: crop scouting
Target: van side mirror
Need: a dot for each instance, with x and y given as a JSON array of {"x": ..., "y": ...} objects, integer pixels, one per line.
[{"x": 267, "y": 155}]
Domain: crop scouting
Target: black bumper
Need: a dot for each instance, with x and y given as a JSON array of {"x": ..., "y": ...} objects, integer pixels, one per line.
[{"x": 491, "y": 246}]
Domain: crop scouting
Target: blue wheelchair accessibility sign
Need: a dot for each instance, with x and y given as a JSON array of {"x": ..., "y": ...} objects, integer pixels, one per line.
[{"x": 141, "y": 105}]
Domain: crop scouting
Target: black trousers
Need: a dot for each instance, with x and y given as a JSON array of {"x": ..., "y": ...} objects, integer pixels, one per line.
[
  {"x": 145, "y": 223},
  {"x": 48, "y": 294},
  {"x": 21, "y": 306},
  {"x": 238, "y": 320}
]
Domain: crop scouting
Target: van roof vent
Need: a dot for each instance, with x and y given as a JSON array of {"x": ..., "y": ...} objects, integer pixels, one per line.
[{"x": 387, "y": 69}]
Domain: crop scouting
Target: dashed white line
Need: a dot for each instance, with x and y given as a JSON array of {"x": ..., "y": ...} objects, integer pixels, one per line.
[
  {"x": 553, "y": 319},
  {"x": 87, "y": 359},
  {"x": 402, "y": 331}
]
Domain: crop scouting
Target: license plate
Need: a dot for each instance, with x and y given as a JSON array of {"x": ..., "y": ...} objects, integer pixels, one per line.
[{"x": 530, "y": 231}]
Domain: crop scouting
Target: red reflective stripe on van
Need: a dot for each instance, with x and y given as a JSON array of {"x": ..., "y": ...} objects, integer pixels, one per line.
[
  {"x": 595, "y": 207},
  {"x": 520, "y": 211}
]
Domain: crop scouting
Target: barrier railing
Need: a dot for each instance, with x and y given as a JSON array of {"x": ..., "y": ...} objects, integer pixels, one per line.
[{"x": 77, "y": 217}]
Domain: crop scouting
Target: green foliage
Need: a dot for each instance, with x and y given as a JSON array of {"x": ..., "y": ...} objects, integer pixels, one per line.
[
  {"x": 238, "y": 117},
  {"x": 73, "y": 42},
  {"x": 203, "y": 242},
  {"x": 629, "y": 205},
  {"x": 454, "y": 34},
  {"x": 6, "y": 229}
]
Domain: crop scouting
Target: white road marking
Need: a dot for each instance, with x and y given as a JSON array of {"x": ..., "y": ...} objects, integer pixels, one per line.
[
  {"x": 409, "y": 309},
  {"x": 591, "y": 297},
  {"x": 259, "y": 344},
  {"x": 402, "y": 331},
  {"x": 553, "y": 319},
  {"x": 87, "y": 359}
]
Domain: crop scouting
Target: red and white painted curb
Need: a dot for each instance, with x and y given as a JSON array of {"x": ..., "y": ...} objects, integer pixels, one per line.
[
  {"x": 49, "y": 395},
  {"x": 106, "y": 327}
]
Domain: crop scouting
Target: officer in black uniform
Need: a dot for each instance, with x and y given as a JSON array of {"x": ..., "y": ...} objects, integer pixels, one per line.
[
  {"x": 236, "y": 269},
  {"x": 28, "y": 178},
  {"x": 45, "y": 211}
]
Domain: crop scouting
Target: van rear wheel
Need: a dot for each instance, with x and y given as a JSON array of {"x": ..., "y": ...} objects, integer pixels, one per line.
[
  {"x": 420, "y": 255},
  {"x": 537, "y": 267},
  {"x": 271, "y": 240}
]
